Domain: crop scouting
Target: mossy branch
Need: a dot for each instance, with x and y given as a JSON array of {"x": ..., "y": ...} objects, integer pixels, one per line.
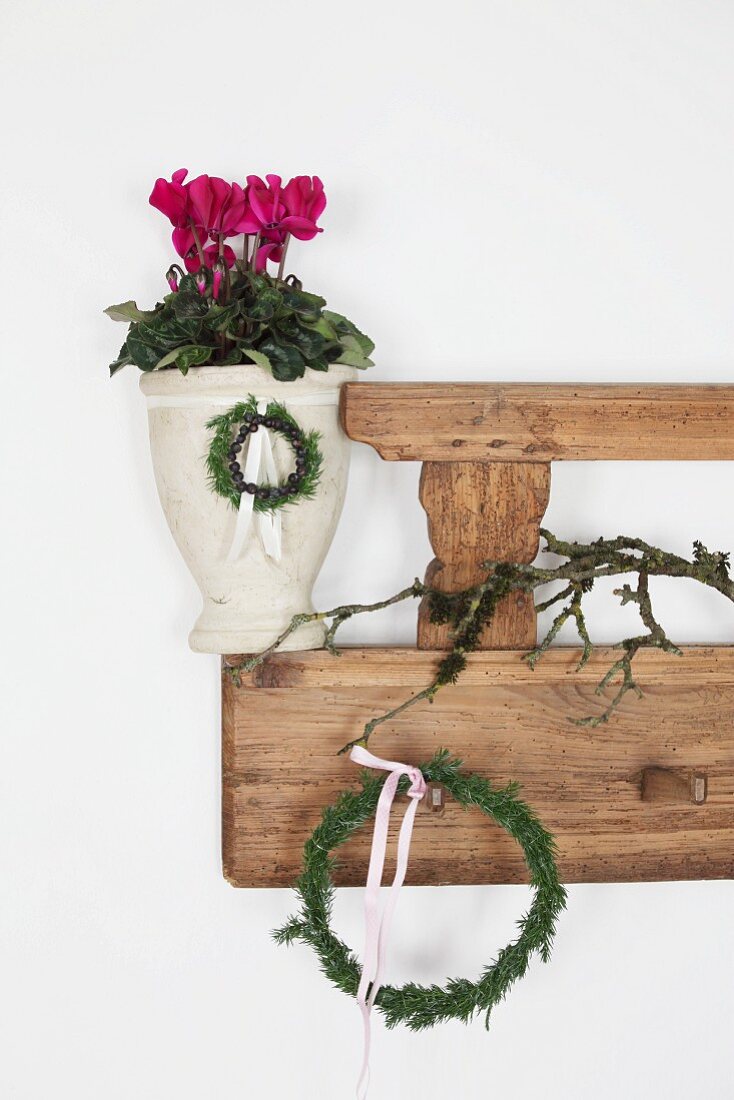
[
  {"x": 469, "y": 612},
  {"x": 336, "y": 617}
]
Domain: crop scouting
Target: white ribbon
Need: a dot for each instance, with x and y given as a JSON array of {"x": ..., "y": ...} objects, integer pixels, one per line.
[{"x": 259, "y": 464}]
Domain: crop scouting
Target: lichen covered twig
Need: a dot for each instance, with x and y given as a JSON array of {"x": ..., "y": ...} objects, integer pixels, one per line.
[
  {"x": 469, "y": 612},
  {"x": 336, "y": 617}
]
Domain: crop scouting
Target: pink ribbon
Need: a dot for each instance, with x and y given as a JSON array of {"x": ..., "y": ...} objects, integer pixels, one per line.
[{"x": 377, "y": 927}]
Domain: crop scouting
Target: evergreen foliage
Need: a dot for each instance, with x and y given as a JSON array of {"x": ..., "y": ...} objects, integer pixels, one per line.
[
  {"x": 224, "y": 427},
  {"x": 419, "y": 1006}
]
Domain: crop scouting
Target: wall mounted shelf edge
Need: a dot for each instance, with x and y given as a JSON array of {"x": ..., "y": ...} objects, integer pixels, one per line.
[{"x": 511, "y": 422}]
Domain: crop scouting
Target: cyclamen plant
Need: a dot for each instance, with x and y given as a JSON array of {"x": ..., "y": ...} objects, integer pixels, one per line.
[{"x": 226, "y": 307}]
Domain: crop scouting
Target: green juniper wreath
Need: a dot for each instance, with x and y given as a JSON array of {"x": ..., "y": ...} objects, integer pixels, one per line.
[
  {"x": 231, "y": 430},
  {"x": 423, "y": 1006}
]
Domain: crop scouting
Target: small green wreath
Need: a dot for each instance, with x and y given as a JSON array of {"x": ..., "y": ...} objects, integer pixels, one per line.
[
  {"x": 231, "y": 431},
  {"x": 423, "y": 1006}
]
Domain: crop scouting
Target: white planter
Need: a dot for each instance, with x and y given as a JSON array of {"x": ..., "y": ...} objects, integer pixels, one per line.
[{"x": 249, "y": 601}]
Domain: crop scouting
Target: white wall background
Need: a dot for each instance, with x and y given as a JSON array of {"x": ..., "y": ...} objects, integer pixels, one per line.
[{"x": 518, "y": 190}]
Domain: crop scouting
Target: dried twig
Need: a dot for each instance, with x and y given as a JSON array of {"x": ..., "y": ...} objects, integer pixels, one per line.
[{"x": 469, "y": 612}]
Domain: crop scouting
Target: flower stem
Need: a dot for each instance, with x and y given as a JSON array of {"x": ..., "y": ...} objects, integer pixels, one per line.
[
  {"x": 281, "y": 268},
  {"x": 253, "y": 258},
  {"x": 197, "y": 242}
]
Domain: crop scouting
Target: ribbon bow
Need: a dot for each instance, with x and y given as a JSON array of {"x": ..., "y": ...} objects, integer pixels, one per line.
[
  {"x": 377, "y": 926},
  {"x": 259, "y": 466}
]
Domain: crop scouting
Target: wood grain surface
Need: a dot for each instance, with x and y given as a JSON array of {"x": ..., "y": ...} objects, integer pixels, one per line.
[
  {"x": 509, "y": 422},
  {"x": 283, "y": 727},
  {"x": 479, "y": 511}
]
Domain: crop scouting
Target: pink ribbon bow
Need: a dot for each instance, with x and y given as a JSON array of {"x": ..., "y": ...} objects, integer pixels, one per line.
[{"x": 377, "y": 927}]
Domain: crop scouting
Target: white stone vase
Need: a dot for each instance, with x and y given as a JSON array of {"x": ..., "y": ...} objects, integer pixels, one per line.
[{"x": 248, "y": 601}]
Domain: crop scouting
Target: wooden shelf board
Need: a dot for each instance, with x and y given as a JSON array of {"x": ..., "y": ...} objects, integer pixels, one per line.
[
  {"x": 387, "y": 666},
  {"x": 517, "y": 422},
  {"x": 283, "y": 727}
]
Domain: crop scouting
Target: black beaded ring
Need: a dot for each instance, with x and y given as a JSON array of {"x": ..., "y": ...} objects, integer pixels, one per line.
[{"x": 231, "y": 432}]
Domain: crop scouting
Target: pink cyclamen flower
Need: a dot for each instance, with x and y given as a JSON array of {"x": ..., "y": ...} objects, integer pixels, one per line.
[
  {"x": 217, "y": 206},
  {"x": 268, "y": 212},
  {"x": 304, "y": 197},
  {"x": 172, "y": 277},
  {"x": 211, "y": 255},
  {"x": 171, "y": 198},
  {"x": 185, "y": 245},
  {"x": 271, "y": 250}
]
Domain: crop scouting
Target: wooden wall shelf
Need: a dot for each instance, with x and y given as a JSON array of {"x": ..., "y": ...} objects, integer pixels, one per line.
[
  {"x": 649, "y": 795},
  {"x": 286, "y": 723},
  {"x": 507, "y": 422}
]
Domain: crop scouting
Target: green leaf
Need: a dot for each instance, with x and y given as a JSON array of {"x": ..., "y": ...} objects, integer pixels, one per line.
[
  {"x": 123, "y": 360},
  {"x": 286, "y": 362},
  {"x": 302, "y": 302},
  {"x": 189, "y": 304},
  {"x": 354, "y": 359},
  {"x": 143, "y": 353},
  {"x": 187, "y": 286},
  {"x": 168, "y": 358},
  {"x": 310, "y": 343},
  {"x": 264, "y": 306},
  {"x": 257, "y": 357},
  {"x": 324, "y": 328},
  {"x": 128, "y": 311},
  {"x": 333, "y": 352},
  {"x": 231, "y": 359},
  {"x": 353, "y": 345},
  {"x": 345, "y": 327},
  {"x": 147, "y": 343},
  {"x": 195, "y": 355},
  {"x": 190, "y": 355},
  {"x": 258, "y": 282},
  {"x": 338, "y": 320},
  {"x": 219, "y": 318},
  {"x": 251, "y": 337},
  {"x": 318, "y": 364},
  {"x": 168, "y": 331}
]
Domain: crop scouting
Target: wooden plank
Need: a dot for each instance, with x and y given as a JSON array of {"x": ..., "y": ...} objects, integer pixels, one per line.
[
  {"x": 479, "y": 511},
  {"x": 283, "y": 728},
  {"x": 508, "y": 422},
  {"x": 403, "y": 666}
]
